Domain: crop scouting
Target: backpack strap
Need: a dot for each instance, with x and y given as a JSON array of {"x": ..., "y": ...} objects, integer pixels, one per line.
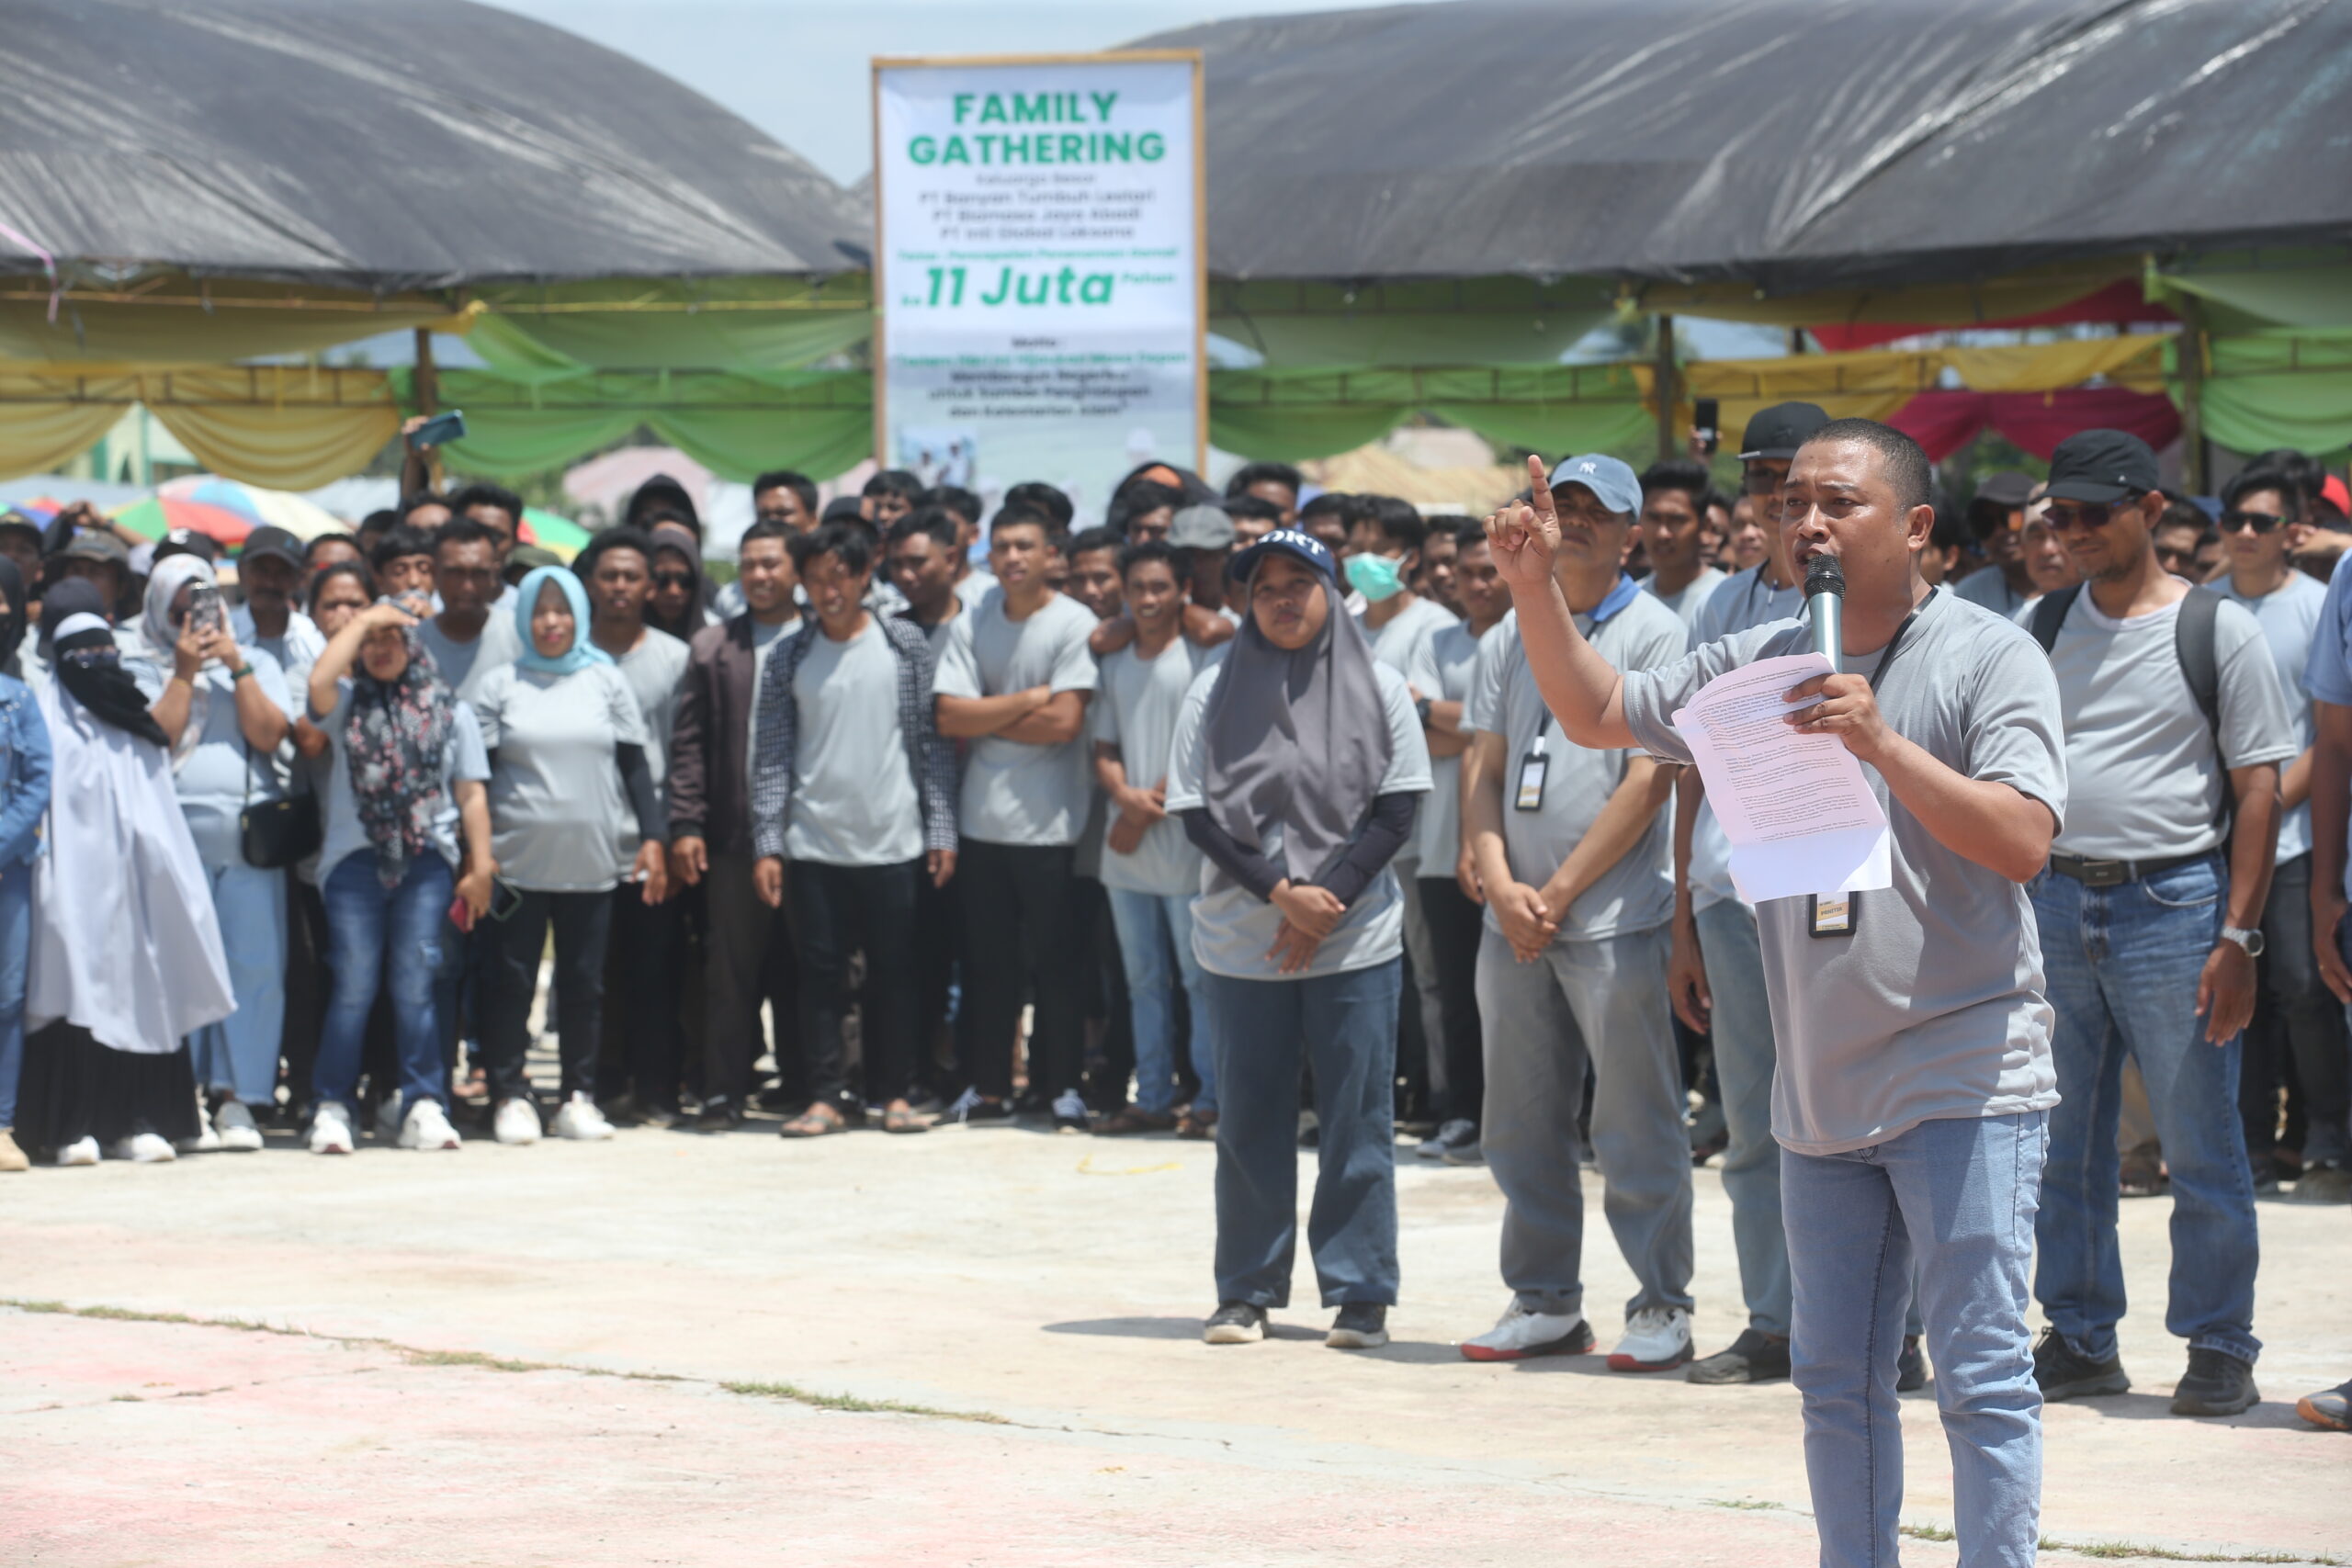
[
  {"x": 2051, "y": 614},
  {"x": 2193, "y": 644}
]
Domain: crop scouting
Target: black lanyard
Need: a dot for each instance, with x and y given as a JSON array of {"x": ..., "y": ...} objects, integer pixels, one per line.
[{"x": 1894, "y": 645}]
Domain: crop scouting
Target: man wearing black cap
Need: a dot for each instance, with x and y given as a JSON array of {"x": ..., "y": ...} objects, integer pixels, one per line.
[
  {"x": 2175, "y": 732},
  {"x": 1996, "y": 517},
  {"x": 270, "y": 573}
]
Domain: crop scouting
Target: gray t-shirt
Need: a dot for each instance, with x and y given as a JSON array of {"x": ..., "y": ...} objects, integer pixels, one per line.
[
  {"x": 1232, "y": 927},
  {"x": 1693, "y": 596},
  {"x": 1404, "y": 643},
  {"x": 1935, "y": 1006},
  {"x": 466, "y": 665},
  {"x": 854, "y": 800},
  {"x": 2289, "y": 617},
  {"x": 765, "y": 639},
  {"x": 216, "y": 779},
  {"x": 1437, "y": 832},
  {"x": 1015, "y": 793},
  {"x": 655, "y": 672},
  {"x": 1637, "y": 892},
  {"x": 1136, "y": 711},
  {"x": 1989, "y": 586},
  {"x": 1740, "y": 603},
  {"x": 558, "y": 821},
  {"x": 2138, "y": 755},
  {"x": 463, "y": 758}
]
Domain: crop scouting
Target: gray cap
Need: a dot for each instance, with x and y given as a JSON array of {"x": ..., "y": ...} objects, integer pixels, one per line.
[
  {"x": 1201, "y": 528},
  {"x": 1610, "y": 480},
  {"x": 92, "y": 544}
]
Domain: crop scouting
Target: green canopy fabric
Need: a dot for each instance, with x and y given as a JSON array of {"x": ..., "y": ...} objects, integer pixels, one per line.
[
  {"x": 2256, "y": 290},
  {"x": 744, "y": 324},
  {"x": 1291, "y": 415},
  {"x": 2280, "y": 388}
]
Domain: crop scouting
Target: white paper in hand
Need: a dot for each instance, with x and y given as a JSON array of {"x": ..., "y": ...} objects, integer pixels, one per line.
[{"x": 1798, "y": 814}]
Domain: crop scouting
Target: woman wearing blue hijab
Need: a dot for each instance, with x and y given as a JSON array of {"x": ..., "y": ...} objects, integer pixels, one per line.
[{"x": 571, "y": 812}]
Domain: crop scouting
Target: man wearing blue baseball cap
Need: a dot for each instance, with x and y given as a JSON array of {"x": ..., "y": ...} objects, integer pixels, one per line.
[{"x": 1571, "y": 847}]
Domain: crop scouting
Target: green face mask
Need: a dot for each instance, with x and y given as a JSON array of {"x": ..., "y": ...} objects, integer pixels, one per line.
[{"x": 1374, "y": 577}]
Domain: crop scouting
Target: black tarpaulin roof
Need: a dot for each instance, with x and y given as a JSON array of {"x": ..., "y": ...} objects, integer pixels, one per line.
[
  {"x": 406, "y": 144},
  {"x": 1796, "y": 143}
]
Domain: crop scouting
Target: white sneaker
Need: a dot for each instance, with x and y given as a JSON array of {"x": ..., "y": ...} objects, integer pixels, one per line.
[
  {"x": 207, "y": 1140},
  {"x": 517, "y": 1122},
  {"x": 1656, "y": 1339},
  {"x": 389, "y": 1125},
  {"x": 330, "y": 1128},
  {"x": 426, "y": 1126},
  {"x": 145, "y": 1148},
  {"x": 233, "y": 1125},
  {"x": 578, "y": 1118},
  {"x": 1520, "y": 1333},
  {"x": 81, "y": 1151}
]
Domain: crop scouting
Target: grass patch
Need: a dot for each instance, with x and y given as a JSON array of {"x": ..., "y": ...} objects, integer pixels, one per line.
[
  {"x": 482, "y": 1362},
  {"x": 1928, "y": 1532},
  {"x": 1741, "y": 1502},
  {"x": 852, "y": 1404},
  {"x": 2125, "y": 1549}
]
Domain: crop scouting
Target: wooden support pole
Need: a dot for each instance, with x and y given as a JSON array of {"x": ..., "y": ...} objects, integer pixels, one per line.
[
  {"x": 1666, "y": 389},
  {"x": 2195, "y": 460},
  {"x": 428, "y": 403}
]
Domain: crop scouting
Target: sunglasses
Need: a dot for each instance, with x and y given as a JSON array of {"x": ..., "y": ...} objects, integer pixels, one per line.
[
  {"x": 2063, "y": 515},
  {"x": 2260, "y": 522},
  {"x": 673, "y": 579}
]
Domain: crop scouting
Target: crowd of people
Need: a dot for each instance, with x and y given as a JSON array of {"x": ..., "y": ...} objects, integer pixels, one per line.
[{"x": 1243, "y": 815}]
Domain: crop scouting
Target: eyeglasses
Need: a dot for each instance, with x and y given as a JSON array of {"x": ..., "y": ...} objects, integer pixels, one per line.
[
  {"x": 2065, "y": 514},
  {"x": 2260, "y": 522},
  {"x": 673, "y": 579},
  {"x": 1760, "y": 481}
]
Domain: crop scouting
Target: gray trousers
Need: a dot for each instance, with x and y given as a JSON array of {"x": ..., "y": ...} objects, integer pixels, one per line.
[{"x": 1603, "y": 999}]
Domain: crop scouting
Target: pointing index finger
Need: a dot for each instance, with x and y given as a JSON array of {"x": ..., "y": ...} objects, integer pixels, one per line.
[{"x": 1542, "y": 482}]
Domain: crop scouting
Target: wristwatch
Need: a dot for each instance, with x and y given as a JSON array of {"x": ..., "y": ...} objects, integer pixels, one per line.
[
  {"x": 1422, "y": 707},
  {"x": 2250, "y": 940}
]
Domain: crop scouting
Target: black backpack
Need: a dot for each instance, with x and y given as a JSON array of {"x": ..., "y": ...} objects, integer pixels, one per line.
[{"x": 2192, "y": 639}]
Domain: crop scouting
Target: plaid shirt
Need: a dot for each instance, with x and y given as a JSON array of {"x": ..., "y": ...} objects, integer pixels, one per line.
[{"x": 931, "y": 756}]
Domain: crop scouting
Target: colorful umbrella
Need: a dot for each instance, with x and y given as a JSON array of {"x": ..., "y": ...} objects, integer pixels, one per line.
[
  {"x": 303, "y": 519},
  {"x": 549, "y": 531},
  {"x": 159, "y": 514}
]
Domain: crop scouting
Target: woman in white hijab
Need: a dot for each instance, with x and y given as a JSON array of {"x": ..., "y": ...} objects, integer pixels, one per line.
[
  {"x": 224, "y": 708},
  {"x": 1297, "y": 767},
  {"x": 126, "y": 950}
]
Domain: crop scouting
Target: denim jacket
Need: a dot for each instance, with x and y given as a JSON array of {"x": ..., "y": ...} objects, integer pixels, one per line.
[{"x": 24, "y": 772}]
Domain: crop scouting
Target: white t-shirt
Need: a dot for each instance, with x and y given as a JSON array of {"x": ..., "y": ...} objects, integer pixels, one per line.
[
  {"x": 1135, "y": 709},
  {"x": 1016, "y": 793},
  {"x": 2289, "y": 616},
  {"x": 1232, "y": 927}
]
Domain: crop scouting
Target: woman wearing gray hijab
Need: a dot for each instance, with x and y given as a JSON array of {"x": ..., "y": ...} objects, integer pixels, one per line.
[{"x": 1296, "y": 768}]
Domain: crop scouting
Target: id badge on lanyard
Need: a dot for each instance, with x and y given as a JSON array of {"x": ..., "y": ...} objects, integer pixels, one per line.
[
  {"x": 1531, "y": 771},
  {"x": 1837, "y": 914}
]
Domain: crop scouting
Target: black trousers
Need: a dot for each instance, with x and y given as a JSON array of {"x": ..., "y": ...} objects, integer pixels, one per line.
[
  {"x": 747, "y": 959},
  {"x": 1108, "y": 1005},
  {"x": 644, "y": 983},
  {"x": 838, "y": 911},
  {"x": 583, "y": 924},
  {"x": 307, "y": 984},
  {"x": 939, "y": 936},
  {"x": 1021, "y": 933},
  {"x": 1454, "y": 926}
]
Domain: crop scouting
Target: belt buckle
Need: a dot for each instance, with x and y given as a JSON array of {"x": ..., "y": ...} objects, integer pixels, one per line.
[{"x": 2106, "y": 873}]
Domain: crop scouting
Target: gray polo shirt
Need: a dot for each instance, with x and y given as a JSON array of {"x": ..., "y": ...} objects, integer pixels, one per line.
[
  {"x": 1935, "y": 1006},
  {"x": 466, "y": 665},
  {"x": 2289, "y": 617},
  {"x": 1693, "y": 596},
  {"x": 2140, "y": 758},
  {"x": 1637, "y": 892},
  {"x": 854, "y": 800},
  {"x": 1015, "y": 793},
  {"x": 1136, "y": 711},
  {"x": 558, "y": 821},
  {"x": 1437, "y": 832},
  {"x": 1232, "y": 927},
  {"x": 655, "y": 673}
]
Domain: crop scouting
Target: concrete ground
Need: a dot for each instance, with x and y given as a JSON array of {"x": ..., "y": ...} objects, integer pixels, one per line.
[{"x": 668, "y": 1348}]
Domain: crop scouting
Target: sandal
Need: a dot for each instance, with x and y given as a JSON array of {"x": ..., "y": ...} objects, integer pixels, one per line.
[
  {"x": 816, "y": 1121},
  {"x": 1196, "y": 1126},
  {"x": 1132, "y": 1120},
  {"x": 904, "y": 1120}
]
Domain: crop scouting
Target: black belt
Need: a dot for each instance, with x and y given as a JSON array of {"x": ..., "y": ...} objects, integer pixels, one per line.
[{"x": 2116, "y": 872}]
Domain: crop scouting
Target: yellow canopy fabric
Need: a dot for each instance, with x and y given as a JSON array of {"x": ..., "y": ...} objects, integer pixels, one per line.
[
  {"x": 172, "y": 319},
  {"x": 286, "y": 427}
]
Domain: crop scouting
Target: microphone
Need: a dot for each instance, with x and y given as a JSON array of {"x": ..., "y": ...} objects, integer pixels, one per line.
[{"x": 1824, "y": 601}]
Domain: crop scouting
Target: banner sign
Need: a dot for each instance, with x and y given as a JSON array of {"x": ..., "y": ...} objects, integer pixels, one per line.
[{"x": 1039, "y": 269}]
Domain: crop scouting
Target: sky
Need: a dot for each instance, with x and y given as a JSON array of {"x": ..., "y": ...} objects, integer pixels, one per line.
[{"x": 798, "y": 69}]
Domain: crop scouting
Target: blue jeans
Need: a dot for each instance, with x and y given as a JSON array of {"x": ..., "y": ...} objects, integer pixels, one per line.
[
  {"x": 16, "y": 947},
  {"x": 238, "y": 1055},
  {"x": 1741, "y": 1031},
  {"x": 2123, "y": 964},
  {"x": 394, "y": 933},
  {"x": 1345, "y": 1026},
  {"x": 1156, "y": 949},
  {"x": 1957, "y": 1194}
]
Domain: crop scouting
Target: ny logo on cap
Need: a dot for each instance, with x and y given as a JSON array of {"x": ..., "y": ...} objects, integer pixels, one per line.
[{"x": 1587, "y": 468}]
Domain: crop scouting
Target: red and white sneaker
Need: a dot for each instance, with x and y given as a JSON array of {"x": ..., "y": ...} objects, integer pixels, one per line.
[
  {"x": 1657, "y": 1339},
  {"x": 1520, "y": 1333}
]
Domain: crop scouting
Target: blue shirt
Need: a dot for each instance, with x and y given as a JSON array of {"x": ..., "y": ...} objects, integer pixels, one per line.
[
  {"x": 24, "y": 772},
  {"x": 223, "y": 774}
]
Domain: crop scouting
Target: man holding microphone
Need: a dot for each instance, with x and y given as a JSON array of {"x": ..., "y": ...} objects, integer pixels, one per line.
[{"x": 1914, "y": 1078}]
